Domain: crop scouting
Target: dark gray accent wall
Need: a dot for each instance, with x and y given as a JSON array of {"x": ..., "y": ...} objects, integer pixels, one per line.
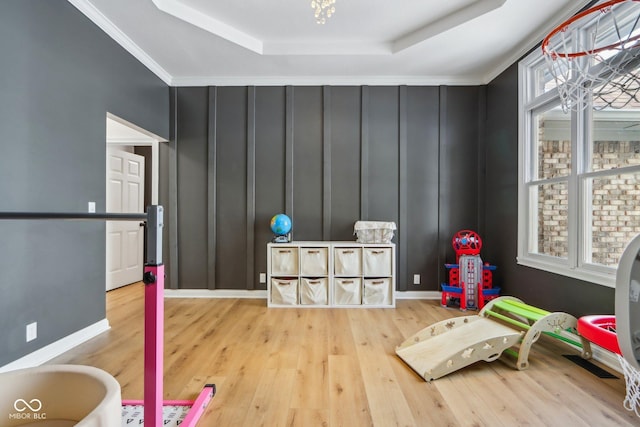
[
  {"x": 60, "y": 75},
  {"x": 459, "y": 163},
  {"x": 307, "y": 167},
  {"x": 192, "y": 208},
  {"x": 326, "y": 156},
  {"x": 269, "y": 171},
  {"x": 230, "y": 234},
  {"x": 549, "y": 291},
  {"x": 421, "y": 191},
  {"x": 345, "y": 116}
]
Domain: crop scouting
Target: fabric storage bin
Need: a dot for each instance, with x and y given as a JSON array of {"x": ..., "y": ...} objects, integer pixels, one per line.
[
  {"x": 284, "y": 291},
  {"x": 313, "y": 291},
  {"x": 377, "y": 262},
  {"x": 314, "y": 261},
  {"x": 284, "y": 261},
  {"x": 374, "y": 231},
  {"x": 347, "y": 261},
  {"x": 347, "y": 291},
  {"x": 376, "y": 292}
]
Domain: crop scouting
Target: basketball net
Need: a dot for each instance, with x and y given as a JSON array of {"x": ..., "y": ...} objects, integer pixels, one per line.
[
  {"x": 632, "y": 380},
  {"x": 594, "y": 57}
]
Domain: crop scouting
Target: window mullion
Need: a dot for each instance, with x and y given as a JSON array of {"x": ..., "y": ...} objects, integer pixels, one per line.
[
  {"x": 573, "y": 227},
  {"x": 585, "y": 202}
]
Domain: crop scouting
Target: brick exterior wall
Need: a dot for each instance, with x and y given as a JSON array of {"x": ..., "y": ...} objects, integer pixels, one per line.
[{"x": 615, "y": 199}]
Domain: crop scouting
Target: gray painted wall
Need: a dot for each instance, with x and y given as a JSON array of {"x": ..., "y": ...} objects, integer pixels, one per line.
[
  {"x": 326, "y": 156},
  {"x": 542, "y": 289},
  {"x": 60, "y": 75}
]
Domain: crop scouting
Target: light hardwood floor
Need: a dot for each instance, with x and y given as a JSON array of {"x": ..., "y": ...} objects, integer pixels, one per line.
[{"x": 337, "y": 367}]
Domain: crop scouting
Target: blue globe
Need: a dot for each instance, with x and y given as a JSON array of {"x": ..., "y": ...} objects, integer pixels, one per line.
[{"x": 280, "y": 225}]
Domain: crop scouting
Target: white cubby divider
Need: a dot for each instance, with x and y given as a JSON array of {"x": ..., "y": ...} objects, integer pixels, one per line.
[{"x": 331, "y": 274}]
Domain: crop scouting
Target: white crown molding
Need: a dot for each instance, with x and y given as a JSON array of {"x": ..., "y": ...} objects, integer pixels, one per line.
[
  {"x": 57, "y": 348},
  {"x": 91, "y": 12},
  {"x": 325, "y": 80},
  {"x": 533, "y": 40}
]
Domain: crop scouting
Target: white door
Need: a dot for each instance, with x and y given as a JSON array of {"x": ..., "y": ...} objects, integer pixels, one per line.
[{"x": 125, "y": 239}]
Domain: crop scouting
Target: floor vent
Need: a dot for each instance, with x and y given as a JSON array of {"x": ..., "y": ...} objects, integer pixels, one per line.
[{"x": 595, "y": 370}]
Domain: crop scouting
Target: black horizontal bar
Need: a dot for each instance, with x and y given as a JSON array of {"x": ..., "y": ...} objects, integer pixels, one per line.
[{"x": 106, "y": 216}]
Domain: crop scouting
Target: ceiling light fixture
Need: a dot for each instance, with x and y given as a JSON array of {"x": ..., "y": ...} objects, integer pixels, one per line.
[{"x": 324, "y": 9}]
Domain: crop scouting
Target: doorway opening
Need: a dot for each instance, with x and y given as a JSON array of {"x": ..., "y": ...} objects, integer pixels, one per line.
[{"x": 131, "y": 184}]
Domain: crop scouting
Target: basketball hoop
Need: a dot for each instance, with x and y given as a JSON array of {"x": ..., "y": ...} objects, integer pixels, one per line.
[{"x": 594, "y": 57}]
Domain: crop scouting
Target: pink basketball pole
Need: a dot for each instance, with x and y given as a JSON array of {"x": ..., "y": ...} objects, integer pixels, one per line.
[
  {"x": 153, "y": 344},
  {"x": 153, "y": 279},
  {"x": 153, "y": 358}
]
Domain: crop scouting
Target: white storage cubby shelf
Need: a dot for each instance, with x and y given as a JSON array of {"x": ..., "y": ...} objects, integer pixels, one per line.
[{"x": 331, "y": 274}]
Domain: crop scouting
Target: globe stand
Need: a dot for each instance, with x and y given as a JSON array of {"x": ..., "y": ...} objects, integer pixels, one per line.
[
  {"x": 281, "y": 228},
  {"x": 285, "y": 238}
]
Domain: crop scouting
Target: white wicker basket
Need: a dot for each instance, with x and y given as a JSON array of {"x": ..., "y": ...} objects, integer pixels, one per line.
[{"x": 374, "y": 231}]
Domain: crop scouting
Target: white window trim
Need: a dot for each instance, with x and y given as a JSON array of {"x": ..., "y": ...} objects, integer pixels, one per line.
[{"x": 572, "y": 267}]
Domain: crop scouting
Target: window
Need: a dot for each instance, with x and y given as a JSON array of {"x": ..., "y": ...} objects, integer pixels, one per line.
[{"x": 579, "y": 180}]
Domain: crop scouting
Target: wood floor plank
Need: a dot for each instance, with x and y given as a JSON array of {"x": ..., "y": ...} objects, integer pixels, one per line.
[
  {"x": 428, "y": 406},
  {"x": 233, "y": 398},
  {"x": 546, "y": 407},
  {"x": 308, "y": 417},
  {"x": 416, "y": 316},
  {"x": 584, "y": 402},
  {"x": 270, "y": 405},
  {"x": 348, "y": 402},
  {"x": 510, "y": 412},
  {"x": 311, "y": 385},
  {"x": 464, "y": 400},
  {"x": 281, "y": 337},
  {"x": 338, "y": 367},
  {"x": 340, "y": 338},
  {"x": 386, "y": 401}
]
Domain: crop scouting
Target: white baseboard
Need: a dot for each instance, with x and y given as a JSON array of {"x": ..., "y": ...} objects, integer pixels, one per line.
[
  {"x": 215, "y": 293},
  {"x": 598, "y": 353},
  {"x": 418, "y": 295},
  {"x": 606, "y": 358},
  {"x": 55, "y": 349},
  {"x": 262, "y": 294}
]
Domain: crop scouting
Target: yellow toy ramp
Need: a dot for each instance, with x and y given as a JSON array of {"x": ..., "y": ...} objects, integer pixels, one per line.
[{"x": 452, "y": 344}]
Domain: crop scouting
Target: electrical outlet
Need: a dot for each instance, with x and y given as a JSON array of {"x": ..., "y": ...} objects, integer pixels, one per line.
[
  {"x": 416, "y": 279},
  {"x": 32, "y": 331},
  {"x": 263, "y": 277},
  {"x": 92, "y": 207}
]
